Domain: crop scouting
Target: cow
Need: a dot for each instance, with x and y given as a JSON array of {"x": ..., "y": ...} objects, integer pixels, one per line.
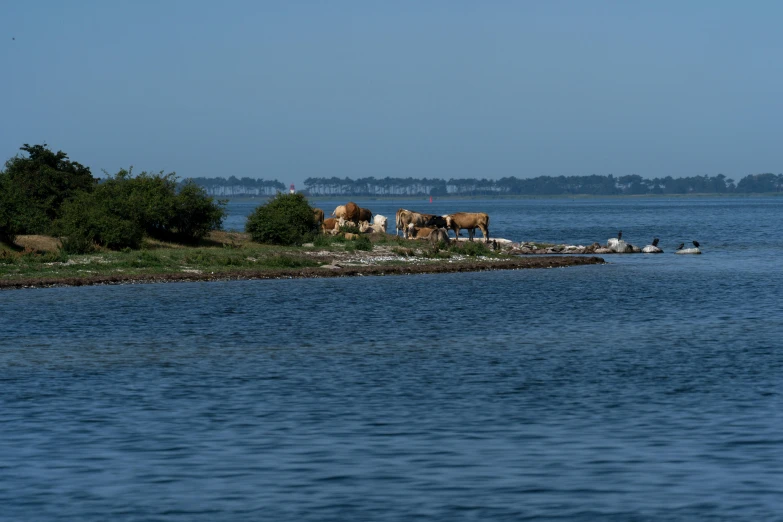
[
  {"x": 470, "y": 221},
  {"x": 352, "y": 212},
  {"x": 318, "y": 216},
  {"x": 406, "y": 217},
  {"x": 415, "y": 232},
  {"x": 438, "y": 235},
  {"x": 379, "y": 223},
  {"x": 339, "y": 212},
  {"x": 365, "y": 214},
  {"x": 378, "y": 227},
  {"x": 330, "y": 226},
  {"x": 342, "y": 222}
]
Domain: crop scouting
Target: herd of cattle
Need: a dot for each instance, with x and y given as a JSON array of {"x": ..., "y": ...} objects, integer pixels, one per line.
[{"x": 414, "y": 225}]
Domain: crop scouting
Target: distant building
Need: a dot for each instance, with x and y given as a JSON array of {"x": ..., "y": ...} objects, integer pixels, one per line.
[{"x": 293, "y": 189}]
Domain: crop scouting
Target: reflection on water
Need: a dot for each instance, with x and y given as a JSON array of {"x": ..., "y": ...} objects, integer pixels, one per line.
[{"x": 646, "y": 389}]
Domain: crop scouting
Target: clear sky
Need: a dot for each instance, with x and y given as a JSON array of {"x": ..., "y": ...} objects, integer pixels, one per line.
[{"x": 419, "y": 88}]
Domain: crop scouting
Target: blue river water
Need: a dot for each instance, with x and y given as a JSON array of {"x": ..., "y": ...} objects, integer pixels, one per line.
[{"x": 645, "y": 389}]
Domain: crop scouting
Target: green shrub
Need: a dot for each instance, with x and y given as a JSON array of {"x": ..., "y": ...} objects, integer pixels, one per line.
[
  {"x": 90, "y": 218},
  {"x": 33, "y": 190},
  {"x": 286, "y": 219},
  {"x": 323, "y": 240},
  {"x": 154, "y": 203},
  {"x": 7, "y": 257},
  {"x": 196, "y": 213},
  {"x": 122, "y": 209},
  {"x": 363, "y": 243},
  {"x": 470, "y": 248},
  {"x": 76, "y": 243}
]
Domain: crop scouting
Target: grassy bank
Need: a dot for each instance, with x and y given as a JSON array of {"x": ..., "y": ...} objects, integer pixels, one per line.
[{"x": 36, "y": 261}]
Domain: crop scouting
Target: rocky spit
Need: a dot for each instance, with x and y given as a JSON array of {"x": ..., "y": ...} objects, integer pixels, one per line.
[
  {"x": 612, "y": 246},
  {"x": 336, "y": 269}
]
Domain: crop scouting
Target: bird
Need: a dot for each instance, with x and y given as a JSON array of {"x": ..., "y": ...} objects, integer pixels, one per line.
[
  {"x": 620, "y": 235},
  {"x": 655, "y": 242},
  {"x": 696, "y": 244},
  {"x": 682, "y": 245}
]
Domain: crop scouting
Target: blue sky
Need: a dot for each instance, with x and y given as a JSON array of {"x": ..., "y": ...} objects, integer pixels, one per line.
[{"x": 289, "y": 90}]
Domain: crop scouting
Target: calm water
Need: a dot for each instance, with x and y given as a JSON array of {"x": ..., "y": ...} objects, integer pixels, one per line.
[{"x": 646, "y": 389}]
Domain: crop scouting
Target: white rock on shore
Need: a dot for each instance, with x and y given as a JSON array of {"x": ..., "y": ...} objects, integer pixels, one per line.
[{"x": 619, "y": 246}]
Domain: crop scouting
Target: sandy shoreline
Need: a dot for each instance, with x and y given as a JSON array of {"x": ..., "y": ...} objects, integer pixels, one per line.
[{"x": 304, "y": 273}]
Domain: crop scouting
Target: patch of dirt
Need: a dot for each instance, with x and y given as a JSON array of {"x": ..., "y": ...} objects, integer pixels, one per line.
[{"x": 40, "y": 243}]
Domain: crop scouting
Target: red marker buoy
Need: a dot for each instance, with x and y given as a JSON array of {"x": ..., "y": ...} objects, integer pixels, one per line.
[{"x": 430, "y": 199}]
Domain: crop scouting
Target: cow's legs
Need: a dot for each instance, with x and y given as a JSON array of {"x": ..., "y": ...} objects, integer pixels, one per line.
[{"x": 485, "y": 231}]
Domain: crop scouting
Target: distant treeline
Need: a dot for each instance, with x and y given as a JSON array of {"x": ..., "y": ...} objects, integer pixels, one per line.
[
  {"x": 542, "y": 185},
  {"x": 234, "y": 186}
]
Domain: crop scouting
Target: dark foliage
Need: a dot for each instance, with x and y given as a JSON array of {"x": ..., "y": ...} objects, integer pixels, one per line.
[
  {"x": 286, "y": 219},
  {"x": 34, "y": 188},
  {"x": 363, "y": 243},
  {"x": 123, "y": 209}
]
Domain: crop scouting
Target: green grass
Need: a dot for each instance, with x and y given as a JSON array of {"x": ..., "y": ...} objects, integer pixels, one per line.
[{"x": 157, "y": 261}]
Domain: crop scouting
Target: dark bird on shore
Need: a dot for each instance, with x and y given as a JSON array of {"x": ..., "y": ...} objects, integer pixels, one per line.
[
  {"x": 620, "y": 235},
  {"x": 655, "y": 242},
  {"x": 696, "y": 244},
  {"x": 682, "y": 245}
]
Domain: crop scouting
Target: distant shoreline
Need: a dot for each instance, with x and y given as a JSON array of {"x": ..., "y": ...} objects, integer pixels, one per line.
[{"x": 513, "y": 197}]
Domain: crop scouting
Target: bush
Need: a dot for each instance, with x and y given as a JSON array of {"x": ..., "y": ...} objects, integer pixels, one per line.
[
  {"x": 153, "y": 202},
  {"x": 322, "y": 240},
  {"x": 122, "y": 209},
  {"x": 33, "y": 190},
  {"x": 76, "y": 243},
  {"x": 91, "y": 219},
  {"x": 196, "y": 214},
  {"x": 363, "y": 243},
  {"x": 286, "y": 219},
  {"x": 470, "y": 248}
]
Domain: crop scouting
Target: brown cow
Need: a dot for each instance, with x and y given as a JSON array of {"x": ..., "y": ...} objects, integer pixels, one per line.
[
  {"x": 470, "y": 221},
  {"x": 330, "y": 226},
  {"x": 439, "y": 235},
  {"x": 352, "y": 212},
  {"x": 406, "y": 217},
  {"x": 415, "y": 232},
  {"x": 318, "y": 216},
  {"x": 365, "y": 214}
]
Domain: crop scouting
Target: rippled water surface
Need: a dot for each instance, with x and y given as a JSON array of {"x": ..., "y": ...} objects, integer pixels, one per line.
[{"x": 645, "y": 389}]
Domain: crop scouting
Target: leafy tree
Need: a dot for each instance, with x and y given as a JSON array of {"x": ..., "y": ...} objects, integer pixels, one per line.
[
  {"x": 758, "y": 183},
  {"x": 35, "y": 187},
  {"x": 196, "y": 213},
  {"x": 286, "y": 219}
]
